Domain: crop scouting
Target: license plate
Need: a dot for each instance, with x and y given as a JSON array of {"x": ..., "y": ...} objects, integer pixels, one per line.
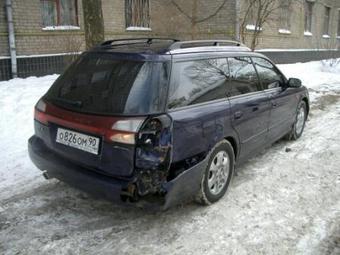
[{"x": 78, "y": 140}]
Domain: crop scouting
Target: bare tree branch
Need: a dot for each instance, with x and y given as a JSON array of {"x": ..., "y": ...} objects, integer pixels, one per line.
[
  {"x": 181, "y": 10},
  {"x": 261, "y": 11},
  {"x": 213, "y": 14},
  {"x": 194, "y": 20},
  {"x": 202, "y": 19}
]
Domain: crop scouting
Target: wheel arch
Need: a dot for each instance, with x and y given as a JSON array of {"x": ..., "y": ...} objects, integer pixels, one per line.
[
  {"x": 233, "y": 143},
  {"x": 307, "y": 104}
]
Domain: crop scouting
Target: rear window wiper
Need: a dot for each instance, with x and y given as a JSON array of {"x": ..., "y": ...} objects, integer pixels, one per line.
[{"x": 76, "y": 103}]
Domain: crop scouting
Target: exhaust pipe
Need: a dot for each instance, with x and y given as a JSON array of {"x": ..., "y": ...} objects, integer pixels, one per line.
[
  {"x": 130, "y": 193},
  {"x": 46, "y": 176}
]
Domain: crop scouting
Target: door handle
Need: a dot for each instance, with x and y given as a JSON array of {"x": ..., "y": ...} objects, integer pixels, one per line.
[
  {"x": 238, "y": 115},
  {"x": 255, "y": 108},
  {"x": 274, "y": 104}
]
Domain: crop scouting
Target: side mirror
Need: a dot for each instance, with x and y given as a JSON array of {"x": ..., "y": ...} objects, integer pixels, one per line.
[{"x": 294, "y": 83}]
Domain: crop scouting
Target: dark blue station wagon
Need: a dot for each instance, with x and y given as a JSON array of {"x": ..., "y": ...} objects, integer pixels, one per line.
[{"x": 157, "y": 122}]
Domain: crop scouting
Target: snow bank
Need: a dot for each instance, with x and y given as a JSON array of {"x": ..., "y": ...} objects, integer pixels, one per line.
[
  {"x": 138, "y": 29},
  {"x": 284, "y": 31},
  {"x": 51, "y": 28},
  {"x": 17, "y": 100},
  {"x": 317, "y": 76}
]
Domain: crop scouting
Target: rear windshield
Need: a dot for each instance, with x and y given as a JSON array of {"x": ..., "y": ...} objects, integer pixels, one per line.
[{"x": 98, "y": 83}]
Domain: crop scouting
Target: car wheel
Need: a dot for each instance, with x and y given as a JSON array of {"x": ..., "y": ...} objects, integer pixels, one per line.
[
  {"x": 300, "y": 121},
  {"x": 218, "y": 173}
]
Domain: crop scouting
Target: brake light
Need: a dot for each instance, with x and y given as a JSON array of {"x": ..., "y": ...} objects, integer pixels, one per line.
[
  {"x": 125, "y": 130},
  {"x": 39, "y": 112}
]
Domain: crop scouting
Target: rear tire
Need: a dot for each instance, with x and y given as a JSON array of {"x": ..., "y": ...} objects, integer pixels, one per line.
[
  {"x": 218, "y": 173},
  {"x": 300, "y": 121}
]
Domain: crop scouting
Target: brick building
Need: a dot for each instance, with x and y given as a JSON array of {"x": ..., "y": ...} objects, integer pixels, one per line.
[{"x": 47, "y": 29}]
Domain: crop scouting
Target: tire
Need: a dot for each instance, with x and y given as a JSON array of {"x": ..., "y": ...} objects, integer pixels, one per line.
[
  {"x": 300, "y": 122},
  {"x": 218, "y": 173}
]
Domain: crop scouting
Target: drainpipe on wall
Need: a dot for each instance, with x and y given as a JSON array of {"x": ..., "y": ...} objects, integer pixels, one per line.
[
  {"x": 11, "y": 38},
  {"x": 237, "y": 20}
]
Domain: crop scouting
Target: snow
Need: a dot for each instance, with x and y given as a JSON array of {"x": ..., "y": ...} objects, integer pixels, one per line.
[
  {"x": 138, "y": 29},
  {"x": 292, "y": 50},
  {"x": 319, "y": 79},
  {"x": 307, "y": 33},
  {"x": 253, "y": 27},
  {"x": 279, "y": 202},
  {"x": 51, "y": 28},
  {"x": 326, "y": 36},
  {"x": 18, "y": 97},
  {"x": 284, "y": 31}
]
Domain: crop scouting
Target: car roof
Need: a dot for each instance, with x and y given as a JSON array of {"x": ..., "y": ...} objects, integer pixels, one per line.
[{"x": 158, "y": 48}]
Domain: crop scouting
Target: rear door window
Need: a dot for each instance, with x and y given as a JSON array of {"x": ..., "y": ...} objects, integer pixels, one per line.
[
  {"x": 198, "y": 81},
  {"x": 243, "y": 76},
  {"x": 269, "y": 75},
  {"x": 98, "y": 83}
]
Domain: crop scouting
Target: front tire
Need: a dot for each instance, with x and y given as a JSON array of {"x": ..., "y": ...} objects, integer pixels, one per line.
[
  {"x": 218, "y": 173},
  {"x": 300, "y": 121}
]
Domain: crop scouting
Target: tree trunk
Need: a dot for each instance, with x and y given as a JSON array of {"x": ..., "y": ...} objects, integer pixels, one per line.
[
  {"x": 93, "y": 22},
  {"x": 194, "y": 20},
  {"x": 254, "y": 41}
]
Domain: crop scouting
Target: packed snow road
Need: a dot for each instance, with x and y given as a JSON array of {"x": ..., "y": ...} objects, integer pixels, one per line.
[{"x": 284, "y": 201}]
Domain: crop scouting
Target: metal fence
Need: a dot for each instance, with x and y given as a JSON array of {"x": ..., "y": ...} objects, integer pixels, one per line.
[{"x": 33, "y": 66}]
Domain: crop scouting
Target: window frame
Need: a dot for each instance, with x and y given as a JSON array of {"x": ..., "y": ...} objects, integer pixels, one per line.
[
  {"x": 137, "y": 27},
  {"x": 260, "y": 87},
  {"x": 338, "y": 29},
  {"x": 285, "y": 18},
  {"x": 57, "y": 4},
  {"x": 193, "y": 59},
  {"x": 72, "y": 72},
  {"x": 227, "y": 97},
  {"x": 276, "y": 69},
  {"x": 326, "y": 21},
  {"x": 308, "y": 16}
]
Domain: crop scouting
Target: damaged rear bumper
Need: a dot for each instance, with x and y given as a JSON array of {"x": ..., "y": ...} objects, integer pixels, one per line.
[{"x": 181, "y": 189}]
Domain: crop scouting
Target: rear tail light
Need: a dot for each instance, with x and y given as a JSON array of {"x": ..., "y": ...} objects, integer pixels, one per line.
[
  {"x": 41, "y": 106},
  {"x": 39, "y": 112},
  {"x": 127, "y": 138},
  {"x": 153, "y": 146},
  {"x": 124, "y": 131}
]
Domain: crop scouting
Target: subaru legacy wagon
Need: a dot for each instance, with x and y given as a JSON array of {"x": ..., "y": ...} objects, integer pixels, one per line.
[{"x": 157, "y": 122}]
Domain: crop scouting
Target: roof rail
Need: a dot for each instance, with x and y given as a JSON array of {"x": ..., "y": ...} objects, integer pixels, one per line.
[
  {"x": 147, "y": 40},
  {"x": 201, "y": 43}
]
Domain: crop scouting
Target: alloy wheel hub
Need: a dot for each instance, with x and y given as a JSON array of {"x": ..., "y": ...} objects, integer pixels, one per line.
[{"x": 218, "y": 172}]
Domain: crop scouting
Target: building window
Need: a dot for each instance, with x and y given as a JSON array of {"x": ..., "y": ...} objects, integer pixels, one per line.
[
  {"x": 137, "y": 14},
  {"x": 284, "y": 17},
  {"x": 338, "y": 34},
  {"x": 59, "y": 13},
  {"x": 252, "y": 17},
  {"x": 308, "y": 17},
  {"x": 326, "y": 21}
]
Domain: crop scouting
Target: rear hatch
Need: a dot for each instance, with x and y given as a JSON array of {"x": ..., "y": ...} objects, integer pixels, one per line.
[{"x": 93, "y": 111}]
